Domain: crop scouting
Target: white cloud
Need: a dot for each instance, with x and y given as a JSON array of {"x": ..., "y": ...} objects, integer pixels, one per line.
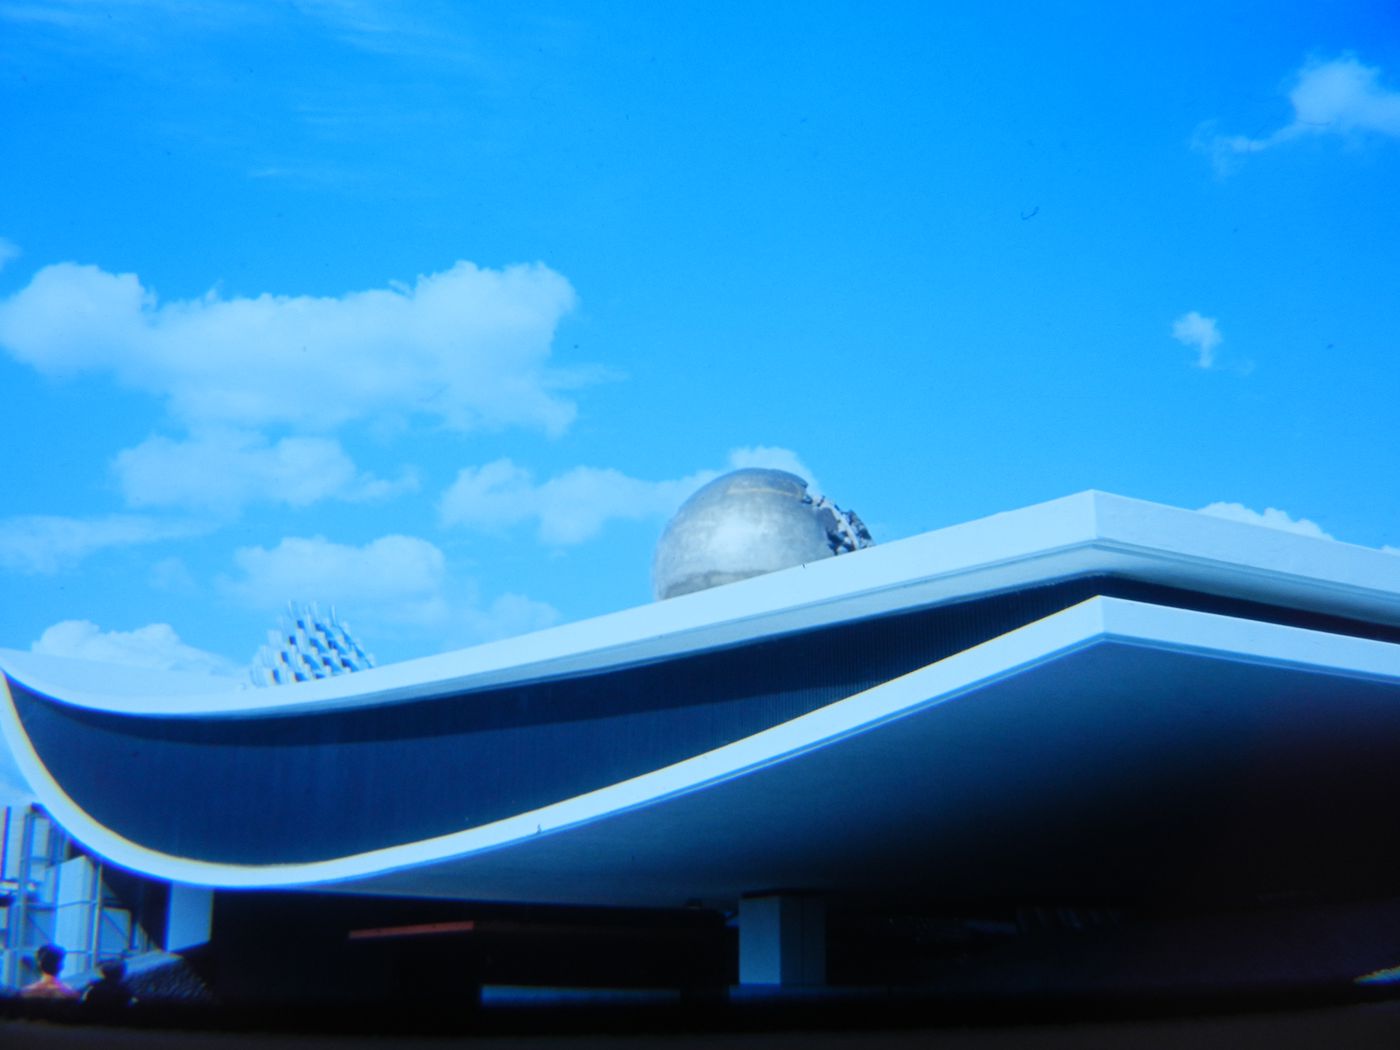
[
  {"x": 575, "y": 506},
  {"x": 467, "y": 346},
  {"x": 1342, "y": 96},
  {"x": 9, "y": 252},
  {"x": 570, "y": 508},
  {"x": 225, "y": 469},
  {"x": 396, "y": 30},
  {"x": 412, "y": 31},
  {"x": 155, "y": 646},
  {"x": 132, "y": 30},
  {"x": 1337, "y": 97},
  {"x": 773, "y": 458},
  {"x": 392, "y": 585},
  {"x": 1272, "y": 517},
  {"x": 48, "y": 543},
  {"x": 1200, "y": 333},
  {"x": 507, "y": 616},
  {"x": 172, "y": 574},
  {"x": 400, "y": 578}
]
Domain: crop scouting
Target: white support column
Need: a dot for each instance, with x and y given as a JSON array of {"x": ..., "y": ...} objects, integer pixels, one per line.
[
  {"x": 782, "y": 939},
  {"x": 189, "y": 917},
  {"x": 76, "y": 893}
]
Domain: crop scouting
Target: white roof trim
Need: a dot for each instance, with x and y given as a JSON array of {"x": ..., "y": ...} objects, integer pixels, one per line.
[{"x": 1091, "y": 532}]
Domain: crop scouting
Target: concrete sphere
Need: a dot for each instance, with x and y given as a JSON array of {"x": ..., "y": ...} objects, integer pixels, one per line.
[{"x": 743, "y": 524}]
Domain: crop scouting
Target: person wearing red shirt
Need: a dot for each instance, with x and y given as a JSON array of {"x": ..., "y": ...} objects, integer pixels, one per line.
[{"x": 49, "y": 959}]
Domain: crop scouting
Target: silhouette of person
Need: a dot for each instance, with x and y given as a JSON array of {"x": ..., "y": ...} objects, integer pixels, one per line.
[
  {"x": 49, "y": 959},
  {"x": 111, "y": 991}
]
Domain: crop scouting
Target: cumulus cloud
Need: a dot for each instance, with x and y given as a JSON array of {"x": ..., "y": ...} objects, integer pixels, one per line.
[
  {"x": 575, "y": 506},
  {"x": 1271, "y": 516},
  {"x": 569, "y": 509},
  {"x": 155, "y": 646},
  {"x": 172, "y": 574},
  {"x": 1336, "y": 97},
  {"x": 509, "y": 615},
  {"x": 1200, "y": 333},
  {"x": 385, "y": 586},
  {"x": 468, "y": 346},
  {"x": 225, "y": 469},
  {"x": 773, "y": 458},
  {"x": 48, "y": 543},
  {"x": 400, "y": 577}
]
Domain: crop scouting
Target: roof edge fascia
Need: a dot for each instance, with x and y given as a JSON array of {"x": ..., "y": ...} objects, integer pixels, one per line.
[{"x": 1089, "y": 532}]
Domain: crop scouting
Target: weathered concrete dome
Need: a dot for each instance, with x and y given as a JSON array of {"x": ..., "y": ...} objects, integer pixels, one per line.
[{"x": 747, "y": 523}]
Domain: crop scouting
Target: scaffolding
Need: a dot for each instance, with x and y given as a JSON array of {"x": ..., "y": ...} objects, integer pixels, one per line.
[{"x": 51, "y": 892}]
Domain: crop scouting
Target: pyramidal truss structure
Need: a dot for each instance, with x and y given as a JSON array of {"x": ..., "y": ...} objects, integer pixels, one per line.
[{"x": 308, "y": 646}]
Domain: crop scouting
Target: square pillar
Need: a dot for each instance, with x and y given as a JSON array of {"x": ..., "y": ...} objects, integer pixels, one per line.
[
  {"x": 782, "y": 939},
  {"x": 189, "y": 917}
]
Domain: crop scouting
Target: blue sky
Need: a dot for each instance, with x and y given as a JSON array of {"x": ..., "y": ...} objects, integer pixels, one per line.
[{"x": 437, "y": 311}]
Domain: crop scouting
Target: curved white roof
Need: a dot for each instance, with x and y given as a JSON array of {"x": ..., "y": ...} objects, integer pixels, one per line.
[
  {"x": 1091, "y": 532},
  {"x": 760, "y": 811}
]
